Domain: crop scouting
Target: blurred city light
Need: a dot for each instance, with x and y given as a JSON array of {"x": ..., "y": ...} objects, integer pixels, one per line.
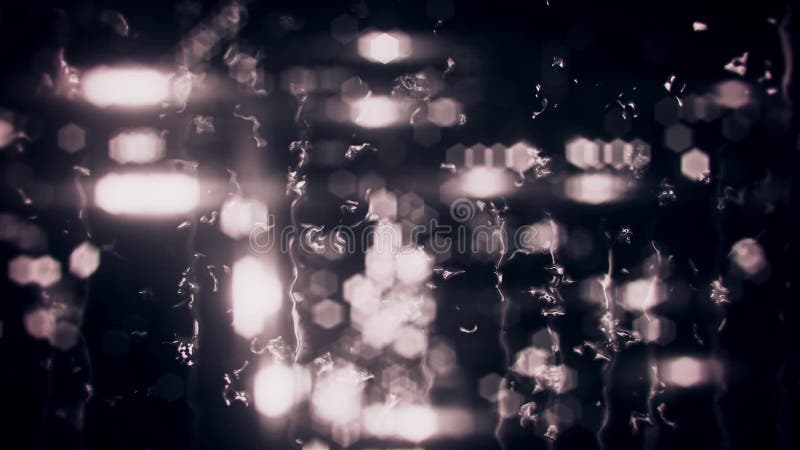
[
  {"x": 375, "y": 112},
  {"x": 278, "y": 388},
  {"x": 138, "y": 146},
  {"x": 239, "y": 215},
  {"x": 147, "y": 194},
  {"x": 257, "y": 295},
  {"x": 125, "y": 86},
  {"x": 384, "y": 47}
]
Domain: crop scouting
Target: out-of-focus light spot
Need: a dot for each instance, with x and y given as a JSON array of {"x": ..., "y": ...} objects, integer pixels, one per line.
[
  {"x": 642, "y": 294},
  {"x": 147, "y": 194},
  {"x": 139, "y": 146},
  {"x": 410, "y": 342},
  {"x": 43, "y": 271},
  {"x": 375, "y": 112},
  {"x": 541, "y": 237},
  {"x": 595, "y": 188},
  {"x": 444, "y": 112},
  {"x": 316, "y": 444},
  {"x": 678, "y": 137},
  {"x": 652, "y": 328},
  {"x": 344, "y": 28},
  {"x": 412, "y": 265},
  {"x": 583, "y": 153},
  {"x": 383, "y": 205},
  {"x": 489, "y": 385},
  {"x": 686, "y": 371},
  {"x": 40, "y": 323},
  {"x": 337, "y": 397},
  {"x": 323, "y": 283},
  {"x": 733, "y": 94},
  {"x": 342, "y": 183},
  {"x": 531, "y": 361},
  {"x": 239, "y": 215},
  {"x": 695, "y": 165},
  {"x": 617, "y": 153},
  {"x": 384, "y": 47},
  {"x": 412, "y": 423},
  {"x": 71, "y": 138},
  {"x": 327, "y": 314},
  {"x": 749, "y": 257},
  {"x": 84, "y": 260},
  {"x": 256, "y": 295},
  {"x": 379, "y": 265},
  {"x": 125, "y": 86},
  {"x": 278, "y": 388},
  {"x": 7, "y": 133},
  {"x": 484, "y": 182}
]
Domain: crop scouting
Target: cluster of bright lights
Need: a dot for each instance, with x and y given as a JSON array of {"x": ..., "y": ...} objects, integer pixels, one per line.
[{"x": 137, "y": 146}]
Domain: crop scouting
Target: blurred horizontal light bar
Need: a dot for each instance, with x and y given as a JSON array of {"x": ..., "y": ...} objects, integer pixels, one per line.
[
  {"x": 139, "y": 146},
  {"x": 375, "y": 112},
  {"x": 596, "y": 188},
  {"x": 125, "y": 86},
  {"x": 153, "y": 194},
  {"x": 256, "y": 296}
]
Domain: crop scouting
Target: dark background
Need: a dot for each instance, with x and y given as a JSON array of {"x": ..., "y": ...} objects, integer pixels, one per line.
[{"x": 143, "y": 397}]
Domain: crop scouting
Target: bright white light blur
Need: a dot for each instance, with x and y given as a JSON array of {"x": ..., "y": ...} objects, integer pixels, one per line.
[
  {"x": 256, "y": 296},
  {"x": 384, "y": 47},
  {"x": 413, "y": 265},
  {"x": 595, "y": 188},
  {"x": 375, "y": 112},
  {"x": 278, "y": 388},
  {"x": 337, "y": 397},
  {"x": 125, "y": 86},
  {"x": 138, "y": 146},
  {"x": 239, "y": 215},
  {"x": 147, "y": 194},
  {"x": 686, "y": 371},
  {"x": 413, "y": 423},
  {"x": 642, "y": 294},
  {"x": 484, "y": 182}
]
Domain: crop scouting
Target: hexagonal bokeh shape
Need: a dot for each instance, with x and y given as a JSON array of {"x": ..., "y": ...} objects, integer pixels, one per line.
[
  {"x": 71, "y": 138},
  {"x": 678, "y": 137},
  {"x": 695, "y": 165},
  {"x": 344, "y": 28},
  {"x": 667, "y": 111},
  {"x": 616, "y": 153},
  {"x": 444, "y": 112},
  {"x": 583, "y": 153},
  {"x": 732, "y": 94},
  {"x": 407, "y": 203},
  {"x": 323, "y": 283},
  {"x": 654, "y": 329},
  {"x": 327, "y": 314},
  {"x": 735, "y": 127},
  {"x": 342, "y": 183},
  {"x": 519, "y": 157},
  {"x": 383, "y": 204},
  {"x": 489, "y": 386},
  {"x": 427, "y": 134},
  {"x": 84, "y": 260},
  {"x": 410, "y": 342},
  {"x": 456, "y": 155},
  {"x": 359, "y": 288}
]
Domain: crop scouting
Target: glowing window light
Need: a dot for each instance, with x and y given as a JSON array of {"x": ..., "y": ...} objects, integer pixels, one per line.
[
  {"x": 686, "y": 371},
  {"x": 238, "y": 216},
  {"x": 485, "y": 182},
  {"x": 595, "y": 188},
  {"x": 375, "y": 112},
  {"x": 256, "y": 296},
  {"x": 125, "y": 86},
  {"x": 384, "y": 47},
  {"x": 147, "y": 194},
  {"x": 138, "y": 146},
  {"x": 277, "y": 388}
]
